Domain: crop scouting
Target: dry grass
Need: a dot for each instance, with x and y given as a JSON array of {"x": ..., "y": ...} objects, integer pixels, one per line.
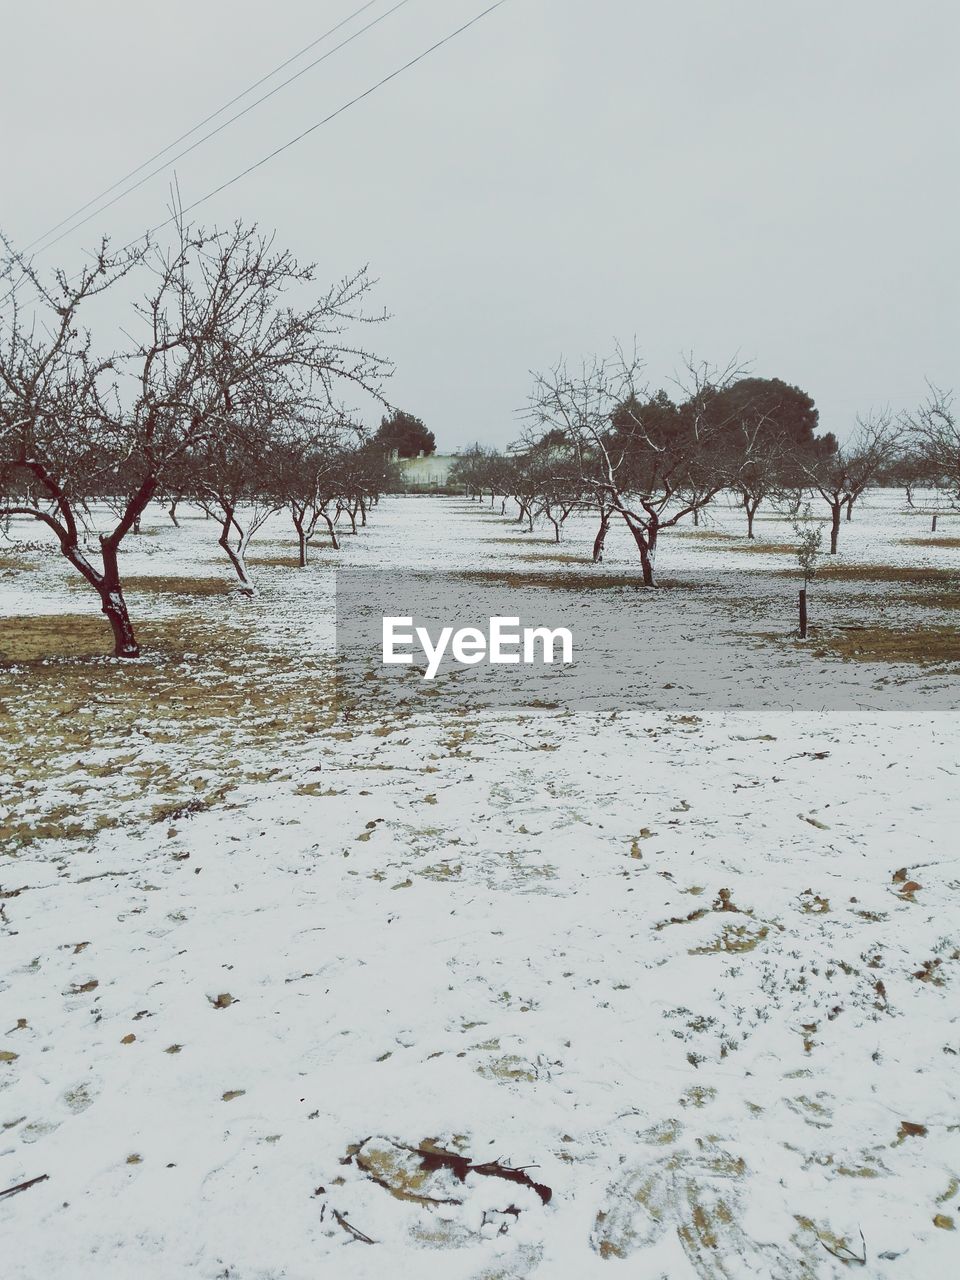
[
  {"x": 278, "y": 562},
  {"x": 942, "y": 544},
  {"x": 164, "y": 585},
  {"x": 907, "y": 575},
  {"x": 938, "y": 599},
  {"x": 917, "y": 645},
  {"x": 764, "y": 548},
  {"x": 521, "y": 539},
  {"x": 712, "y": 535},
  {"x": 591, "y": 579},
  {"x": 557, "y": 557},
  {"x": 24, "y": 641},
  {"x": 792, "y": 519},
  {"x": 93, "y": 742}
]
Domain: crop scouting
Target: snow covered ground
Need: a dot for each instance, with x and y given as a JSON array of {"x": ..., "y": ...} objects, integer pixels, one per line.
[{"x": 292, "y": 983}]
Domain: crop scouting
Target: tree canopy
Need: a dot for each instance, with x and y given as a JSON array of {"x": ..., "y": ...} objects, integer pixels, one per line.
[{"x": 405, "y": 433}]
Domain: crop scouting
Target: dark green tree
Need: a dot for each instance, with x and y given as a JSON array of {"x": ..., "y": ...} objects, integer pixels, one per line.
[
  {"x": 405, "y": 433},
  {"x": 780, "y": 414}
]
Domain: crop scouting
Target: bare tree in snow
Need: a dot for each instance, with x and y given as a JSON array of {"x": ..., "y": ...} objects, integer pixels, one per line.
[
  {"x": 216, "y": 346},
  {"x": 650, "y": 461},
  {"x": 842, "y": 477}
]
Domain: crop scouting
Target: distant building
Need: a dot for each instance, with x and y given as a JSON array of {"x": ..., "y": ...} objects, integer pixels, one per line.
[{"x": 427, "y": 471}]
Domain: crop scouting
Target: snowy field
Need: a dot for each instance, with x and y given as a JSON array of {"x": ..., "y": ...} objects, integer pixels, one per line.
[{"x": 294, "y": 982}]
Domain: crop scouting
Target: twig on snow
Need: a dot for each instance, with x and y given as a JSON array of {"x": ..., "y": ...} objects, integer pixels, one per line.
[
  {"x": 24, "y": 1186},
  {"x": 845, "y": 1254},
  {"x": 351, "y": 1229}
]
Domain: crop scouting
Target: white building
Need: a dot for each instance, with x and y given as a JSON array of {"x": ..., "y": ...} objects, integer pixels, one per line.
[{"x": 427, "y": 471}]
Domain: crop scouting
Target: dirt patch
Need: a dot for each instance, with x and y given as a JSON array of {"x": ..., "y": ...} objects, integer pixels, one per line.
[
  {"x": 24, "y": 641},
  {"x": 94, "y": 741},
  {"x": 763, "y": 548},
  {"x": 942, "y": 544},
  {"x": 558, "y": 557},
  {"x": 920, "y": 645},
  {"x": 279, "y": 562},
  {"x": 906, "y": 575},
  {"x": 589, "y": 580},
  {"x": 164, "y": 585},
  {"x": 522, "y": 539},
  {"x": 791, "y": 519},
  {"x": 946, "y": 599},
  {"x": 712, "y": 535}
]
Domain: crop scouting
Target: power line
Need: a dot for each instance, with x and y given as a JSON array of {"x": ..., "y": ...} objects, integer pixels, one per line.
[
  {"x": 213, "y": 132},
  {"x": 399, "y": 71},
  {"x": 320, "y": 123},
  {"x": 205, "y": 121}
]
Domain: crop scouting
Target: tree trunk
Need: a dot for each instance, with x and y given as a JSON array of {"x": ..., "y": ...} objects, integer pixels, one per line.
[
  {"x": 106, "y": 583},
  {"x": 124, "y": 641},
  {"x": 835, "y": 509},
  {"x": 113, "y": 605},
  {"x": 333, "y": 533},
  {"x": 601, "y": 537},
  {"x": 172, "y": 513},
  {"x": 751, "y": 510},
  {"x": 236, "y": 556},
  {"x": 850, "y": 508},
  {"x": 646, "y": 564},
  {"x": 646, "y": 544},
  {"x": 298, "y": 516}
]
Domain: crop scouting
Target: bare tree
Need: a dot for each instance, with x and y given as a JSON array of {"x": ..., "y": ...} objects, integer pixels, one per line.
[
  {"x": 311, "y": 482},
  {"x": 215, "y": 347},
  {"x": 561, "y": 493},
  {"x": 842, "y": 477},
  {"x": 56, "y": 449},
  {"x": 934, "y": 434},
  {"x": 650, "y": 461}
]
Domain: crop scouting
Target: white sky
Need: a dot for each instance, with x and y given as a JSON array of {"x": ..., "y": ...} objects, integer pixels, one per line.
[{"x": 774, "y": 179}]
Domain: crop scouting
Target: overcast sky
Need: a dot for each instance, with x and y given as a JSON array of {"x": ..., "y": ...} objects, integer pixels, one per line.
[{"x": 774, "y": 179}]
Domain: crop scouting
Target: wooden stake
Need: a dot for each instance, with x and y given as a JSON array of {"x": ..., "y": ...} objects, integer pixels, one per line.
[{"x": 803, "y": 613}]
